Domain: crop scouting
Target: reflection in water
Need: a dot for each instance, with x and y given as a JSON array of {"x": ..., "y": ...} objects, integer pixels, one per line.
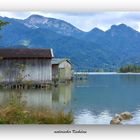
[
  {"x": 37, "y": 98},
  {"x": 57, "y": 98},
  {"x": 88, "y": 117},
  {"x": 64, "y": 97},
  {"x": 103, "y": 96},
  {"x": 93, "y": 101}
]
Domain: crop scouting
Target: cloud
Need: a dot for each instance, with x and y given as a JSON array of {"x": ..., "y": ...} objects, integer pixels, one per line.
[
  {"x": 20, "y": 15},
  {"x": 87, "y": 21}
]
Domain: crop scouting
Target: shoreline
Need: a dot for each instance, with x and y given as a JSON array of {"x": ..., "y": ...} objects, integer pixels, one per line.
[{"x": 105, "y": 73}]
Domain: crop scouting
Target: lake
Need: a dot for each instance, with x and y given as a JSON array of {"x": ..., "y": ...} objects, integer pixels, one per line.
[{"x": 92, "y": 101}]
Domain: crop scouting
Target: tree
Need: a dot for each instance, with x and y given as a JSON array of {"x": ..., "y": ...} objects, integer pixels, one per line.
[
  {"x": 3, "y": 23},
  {"x": 130, "y": 68}
]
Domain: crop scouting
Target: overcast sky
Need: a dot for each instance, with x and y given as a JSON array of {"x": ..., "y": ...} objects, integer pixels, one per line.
[{"x": 87, "y": 21}]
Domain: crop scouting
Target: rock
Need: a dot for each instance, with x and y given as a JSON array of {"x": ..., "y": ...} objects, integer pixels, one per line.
[
  {"x": 115, "y": 121},
  {"x": 126, "y": 115},
  {"x": 120, "y": 117}
]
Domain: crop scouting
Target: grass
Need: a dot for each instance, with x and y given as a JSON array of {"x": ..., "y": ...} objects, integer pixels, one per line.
[{"x": 16, "y": 114}]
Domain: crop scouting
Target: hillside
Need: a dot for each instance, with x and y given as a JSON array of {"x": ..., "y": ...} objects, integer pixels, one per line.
[{"x": 96, "y": 49}]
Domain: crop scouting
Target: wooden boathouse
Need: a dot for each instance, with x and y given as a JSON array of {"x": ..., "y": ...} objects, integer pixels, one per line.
[
  {"x": 24, "y": 65},
  {"x": 61, "y": 69}
]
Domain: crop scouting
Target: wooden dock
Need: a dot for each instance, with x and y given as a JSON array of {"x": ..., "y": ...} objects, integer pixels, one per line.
[{"x": 80, "y": 75}]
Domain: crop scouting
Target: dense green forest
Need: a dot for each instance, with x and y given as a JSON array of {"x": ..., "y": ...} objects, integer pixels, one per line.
[{"x": 130, "y": 68}]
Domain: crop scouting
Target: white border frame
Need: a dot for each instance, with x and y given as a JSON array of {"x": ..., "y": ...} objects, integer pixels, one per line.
[{"x": 43, "y": 132}]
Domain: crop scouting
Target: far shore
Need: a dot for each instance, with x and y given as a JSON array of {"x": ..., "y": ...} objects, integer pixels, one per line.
[{"x": 105, "y": 73}]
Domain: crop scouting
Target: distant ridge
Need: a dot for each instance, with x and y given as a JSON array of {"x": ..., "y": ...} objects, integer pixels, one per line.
[{"x": 96, "y": 49}]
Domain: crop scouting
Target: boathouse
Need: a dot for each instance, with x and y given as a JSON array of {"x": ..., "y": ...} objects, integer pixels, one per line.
[
  {"x": 25, "y": 65},
  {"x": 61, "y": 69}
]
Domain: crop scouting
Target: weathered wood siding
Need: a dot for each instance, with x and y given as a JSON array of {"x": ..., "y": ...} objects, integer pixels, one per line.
[
  {"x": 36, "y": 70},
  {"x": 65, "y": 71}
]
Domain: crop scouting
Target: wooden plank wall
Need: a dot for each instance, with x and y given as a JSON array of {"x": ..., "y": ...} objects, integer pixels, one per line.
[
  {"x": 37, "y": 70},
  {"x": 67, "y": 72}
]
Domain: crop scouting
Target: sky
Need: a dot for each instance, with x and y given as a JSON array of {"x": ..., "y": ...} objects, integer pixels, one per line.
[{"x": 86, "y": 21}]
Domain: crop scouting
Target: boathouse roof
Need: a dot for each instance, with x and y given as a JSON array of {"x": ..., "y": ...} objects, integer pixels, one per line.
[
  {"x": 56, "y": 61},
  {"x": 12, "y": 53}
]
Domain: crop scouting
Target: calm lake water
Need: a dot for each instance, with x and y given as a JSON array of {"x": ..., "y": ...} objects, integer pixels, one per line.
[{"x": 92, "y": 101}]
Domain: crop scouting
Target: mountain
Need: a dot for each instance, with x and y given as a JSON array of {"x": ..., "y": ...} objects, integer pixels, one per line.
[
  {"x": 96, "y": 49},
  {"x": 56, "y": 25},
  {"x": 93, "y": 35}
]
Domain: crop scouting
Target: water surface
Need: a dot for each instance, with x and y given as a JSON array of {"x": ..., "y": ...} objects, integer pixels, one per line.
[{"x": 92, "y": 101}]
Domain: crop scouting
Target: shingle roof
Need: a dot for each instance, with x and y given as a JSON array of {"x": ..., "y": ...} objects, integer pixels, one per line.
[
  {"x": 56, "y": 61},
  {"x": 25, "y": 53}
]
